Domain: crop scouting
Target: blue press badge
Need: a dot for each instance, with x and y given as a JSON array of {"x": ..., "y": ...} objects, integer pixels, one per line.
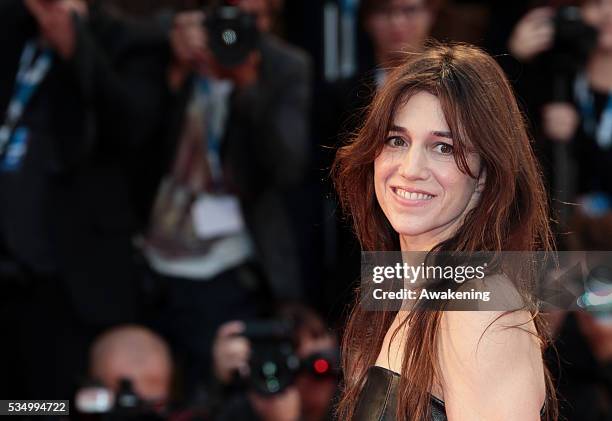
[{"x": 15, "y": 150}]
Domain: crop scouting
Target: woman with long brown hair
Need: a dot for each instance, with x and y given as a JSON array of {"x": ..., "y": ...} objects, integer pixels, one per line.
[{"x": 443, "y": 163}]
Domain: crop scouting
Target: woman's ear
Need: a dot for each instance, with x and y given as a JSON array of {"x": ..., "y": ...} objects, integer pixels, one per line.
[
  {"x": 482, "y": 179},
  {"x": 478, "y": 189}
]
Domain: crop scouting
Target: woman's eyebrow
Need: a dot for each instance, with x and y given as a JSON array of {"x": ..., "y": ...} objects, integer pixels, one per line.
[
  {"x": 442, "y": 134},
  {"x": 437, "y": 133},
  {"x": 399, "y": 129}
]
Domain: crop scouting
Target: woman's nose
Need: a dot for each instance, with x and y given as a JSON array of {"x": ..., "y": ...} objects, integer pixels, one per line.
[{"x": 414, "y": 164}]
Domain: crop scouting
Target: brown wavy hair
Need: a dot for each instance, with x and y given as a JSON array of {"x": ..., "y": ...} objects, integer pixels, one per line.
[{"x": 513, "y": 215}]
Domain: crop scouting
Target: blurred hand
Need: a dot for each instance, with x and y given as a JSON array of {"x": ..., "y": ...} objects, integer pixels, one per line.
[
  {"x": 284, "y": 406},
  {"x": 560, "y": 121},
  {"x": 189, "y": 41},
  {"x": 55, "y": 21},
  {"x": 533, "y": 34},
  {"x": 230, "y": 352},
  {"x": 599, "y": 336}
]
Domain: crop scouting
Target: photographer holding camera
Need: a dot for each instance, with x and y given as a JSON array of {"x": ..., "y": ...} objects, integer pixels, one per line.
[
  {"x": 131, "y": 371},
  {"x": 79, "y": 90},
  {"x": 220, "y": 238},
  {"x": 249, "y": 361},
  {"x": 572, "y": 48}
]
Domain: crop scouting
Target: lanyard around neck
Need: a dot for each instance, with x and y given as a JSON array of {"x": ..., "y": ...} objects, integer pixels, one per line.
[
  {"x": 214, "y": 96},
  {"x": 32, "y": 71}
]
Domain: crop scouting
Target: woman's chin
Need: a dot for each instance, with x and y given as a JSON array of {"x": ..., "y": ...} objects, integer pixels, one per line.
[{"x": 411, "y": 231}]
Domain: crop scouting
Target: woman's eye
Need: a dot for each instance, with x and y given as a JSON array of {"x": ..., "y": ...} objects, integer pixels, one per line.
[
  {"x": 444, "y": 148},
  {"x": 396, "y": 141}
]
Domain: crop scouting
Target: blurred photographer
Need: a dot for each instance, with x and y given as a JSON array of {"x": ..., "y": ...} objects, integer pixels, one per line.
[
  {"x": 567, "y": 53},
  {"x": 79, "y": 90},
  {"x": 572, "y": 50},
  {"x": 132, "y": 373},
  {"x": 220, "y": 243},
  {"x": 577, "y": 43},
  {"x": 242, "y": 366}
]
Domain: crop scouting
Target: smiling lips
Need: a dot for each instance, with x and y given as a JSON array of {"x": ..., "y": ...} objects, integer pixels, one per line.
[{"x": 412, "y": 195}]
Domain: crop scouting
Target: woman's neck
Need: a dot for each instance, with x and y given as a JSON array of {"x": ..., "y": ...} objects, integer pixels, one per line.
[
  {"x": 427, "y": 241},
  {"x": 416, "y": 244},
  {"x": 599, "y": 70}
]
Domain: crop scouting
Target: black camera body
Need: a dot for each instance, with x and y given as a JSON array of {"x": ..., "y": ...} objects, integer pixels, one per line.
[
  {"x": 97, "y": 403},
  {"x": 232, "y": 34},
  {"x": 574, "y": 39},
  {"x": 274, "y": 363}
]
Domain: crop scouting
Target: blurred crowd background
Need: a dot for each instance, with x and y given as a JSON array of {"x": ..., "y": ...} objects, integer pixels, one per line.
[{"x": 170, "y": 242}]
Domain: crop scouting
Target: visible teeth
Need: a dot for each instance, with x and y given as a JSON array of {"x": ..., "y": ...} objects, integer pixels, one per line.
[{"x": 413, "y": 196}]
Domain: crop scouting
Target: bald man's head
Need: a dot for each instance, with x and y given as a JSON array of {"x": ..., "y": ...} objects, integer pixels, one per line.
[{"x": 137, "y": 354}]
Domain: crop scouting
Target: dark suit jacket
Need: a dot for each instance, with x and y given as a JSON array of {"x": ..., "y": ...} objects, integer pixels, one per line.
[
  {"x": 100, "y": 110},
  {"x": 266, "y": 153}
]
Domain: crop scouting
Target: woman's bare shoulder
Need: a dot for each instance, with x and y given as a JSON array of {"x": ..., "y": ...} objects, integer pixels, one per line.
[{"x": 491, "y": 362}]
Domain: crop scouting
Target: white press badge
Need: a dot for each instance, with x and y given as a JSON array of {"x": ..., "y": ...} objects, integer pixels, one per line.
[{"x": 217, "y": 216}]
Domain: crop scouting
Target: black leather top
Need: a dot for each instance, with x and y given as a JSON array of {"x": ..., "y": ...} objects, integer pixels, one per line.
[{"x": 378, "y": 398}]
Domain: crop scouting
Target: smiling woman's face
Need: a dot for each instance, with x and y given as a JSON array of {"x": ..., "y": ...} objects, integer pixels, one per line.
[{"x": 418, "y": 184}]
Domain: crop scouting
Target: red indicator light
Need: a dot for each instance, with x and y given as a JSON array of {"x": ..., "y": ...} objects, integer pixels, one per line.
[{"x": 321, "y": 366}]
